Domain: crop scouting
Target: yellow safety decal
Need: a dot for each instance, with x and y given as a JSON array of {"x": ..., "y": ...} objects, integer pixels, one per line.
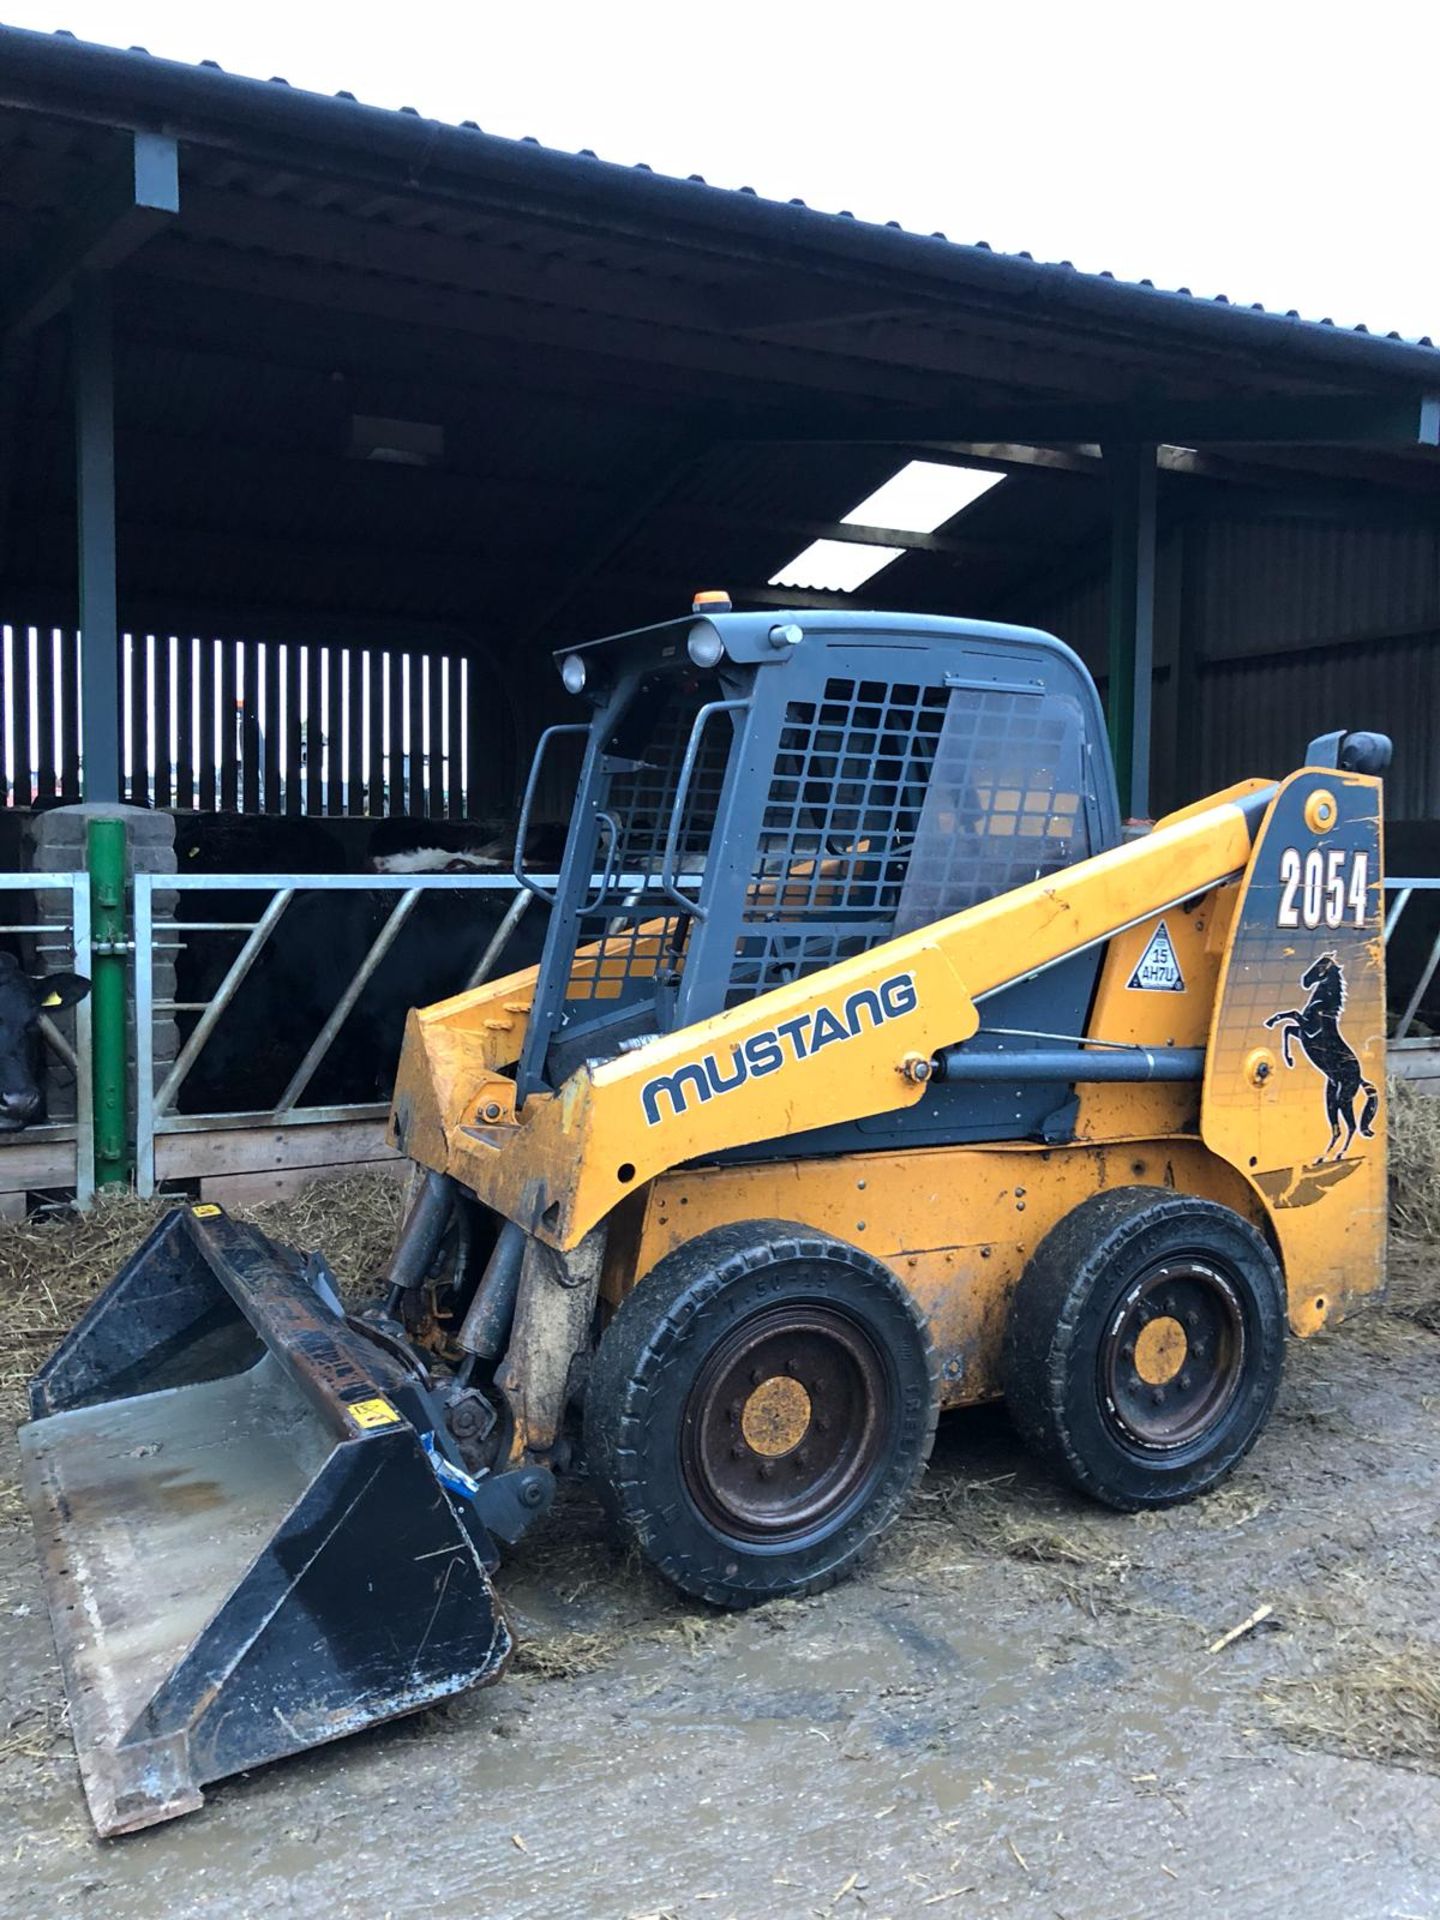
[
  {"x": 373, "y": 1413},
  {"x": 206, "y": 1212}
]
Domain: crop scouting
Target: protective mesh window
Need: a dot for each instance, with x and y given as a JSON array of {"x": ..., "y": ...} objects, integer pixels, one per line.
[
  {"x": 636, "y": 928},
  {"x": 1004, "y": 804},
  {"x": 841, "y": 814},
  {"x": 641, "y": 796}
]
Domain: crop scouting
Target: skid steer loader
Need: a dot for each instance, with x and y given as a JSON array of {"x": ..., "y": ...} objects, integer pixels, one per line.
[{"x": 869, "y": 1070}]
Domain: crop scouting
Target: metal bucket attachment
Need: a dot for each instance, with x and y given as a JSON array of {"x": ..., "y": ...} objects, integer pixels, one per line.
[{"x": 246, "y": 1547}]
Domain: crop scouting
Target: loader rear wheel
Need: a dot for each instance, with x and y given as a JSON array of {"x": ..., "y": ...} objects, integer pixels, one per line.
[
  {"x": 759, "y": 1409},
  {"x": 1144, "y": 1345}
]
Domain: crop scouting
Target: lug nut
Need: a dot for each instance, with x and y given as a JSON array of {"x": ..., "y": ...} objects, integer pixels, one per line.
[{"x": 1184, "y": 1383}]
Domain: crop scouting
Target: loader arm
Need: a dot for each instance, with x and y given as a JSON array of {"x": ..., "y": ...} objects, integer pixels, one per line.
[{"x": 853, "y": 1040}]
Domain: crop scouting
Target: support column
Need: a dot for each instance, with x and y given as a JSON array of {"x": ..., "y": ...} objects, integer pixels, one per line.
[
  {"x": 1132, "y": 622},
  {"x": 1190, "y": 781},
  {"x": 95, "y": 493}
]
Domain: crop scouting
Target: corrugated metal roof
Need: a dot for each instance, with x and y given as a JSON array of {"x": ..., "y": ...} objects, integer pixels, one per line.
[{"x": 253, "y": 98}]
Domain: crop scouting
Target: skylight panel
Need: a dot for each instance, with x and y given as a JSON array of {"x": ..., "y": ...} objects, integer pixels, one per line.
[
  {"x": 922, "y": 496},
  {"x": 834, "y": 566}
]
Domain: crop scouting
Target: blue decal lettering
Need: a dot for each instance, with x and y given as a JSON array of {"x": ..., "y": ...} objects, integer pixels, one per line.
[
  {"x": 866, "y": 997},
  {"x": 898, "y": 996},
  {"x": 795, "y": 1030},
  {"x": 740, "y": 1073},
  {"x": 762, "y": 1051},
  {"x": 674, "y": 1084},
  {"x": 827, "y": 1028}
]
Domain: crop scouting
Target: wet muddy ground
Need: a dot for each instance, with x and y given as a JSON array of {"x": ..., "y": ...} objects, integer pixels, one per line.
[{"x": 1013, "y": 1710}]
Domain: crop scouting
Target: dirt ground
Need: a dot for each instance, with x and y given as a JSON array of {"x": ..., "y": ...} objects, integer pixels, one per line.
[{"x": 1016, "y": 1709}]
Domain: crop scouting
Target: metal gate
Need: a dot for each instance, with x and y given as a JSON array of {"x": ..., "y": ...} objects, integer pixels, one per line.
[
  {"x": 61, "y": 1153},
  {"x": 156, "y": 1095}
]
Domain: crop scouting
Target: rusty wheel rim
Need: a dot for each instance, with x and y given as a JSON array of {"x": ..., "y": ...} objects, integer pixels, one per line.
[
  {"x": 1173, "y": 1355},
  {"x": 784, "y": 1429}
]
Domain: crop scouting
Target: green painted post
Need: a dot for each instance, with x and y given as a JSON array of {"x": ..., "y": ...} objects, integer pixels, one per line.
[{"x": 105, "y": 848}]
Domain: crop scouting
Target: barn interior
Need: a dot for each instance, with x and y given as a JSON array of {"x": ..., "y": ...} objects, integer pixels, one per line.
[
  {"x": 323, "y": 427},
  {"x": 389, "y": 410}
]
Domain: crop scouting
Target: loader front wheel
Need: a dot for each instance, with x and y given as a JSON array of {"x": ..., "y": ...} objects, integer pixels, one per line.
[
  {"x": 759, "y": 1409},
  {"x": 1144, "y": 1345}
]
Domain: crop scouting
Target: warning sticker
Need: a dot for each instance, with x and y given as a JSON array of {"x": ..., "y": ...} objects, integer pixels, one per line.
[
  {"x": 1158, "y": 970},
  {"x": 206, "y": 1211},
  {"x": 373, "y": 1413}
]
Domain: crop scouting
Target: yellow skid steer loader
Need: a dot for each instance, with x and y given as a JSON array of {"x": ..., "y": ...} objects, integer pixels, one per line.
[{"x": 869, "y": 1071}]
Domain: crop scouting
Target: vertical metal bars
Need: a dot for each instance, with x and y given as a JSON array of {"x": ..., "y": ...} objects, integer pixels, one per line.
[{"x": 255, "y": 726}]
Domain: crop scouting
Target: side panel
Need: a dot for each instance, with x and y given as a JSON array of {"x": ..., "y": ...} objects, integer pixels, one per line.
[
  {"x": 1294, "y": 1091},
  {"x": 957, "y": 1224},
  {"x": 1157, "y": 989}
]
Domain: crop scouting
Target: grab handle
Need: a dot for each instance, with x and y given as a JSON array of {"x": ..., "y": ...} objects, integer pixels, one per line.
[
  {"x": 682, "y": 794},
  {"x": 522, "y": 832}
]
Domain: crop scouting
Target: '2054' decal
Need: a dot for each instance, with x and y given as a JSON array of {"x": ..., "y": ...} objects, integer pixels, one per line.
[{"x": 1322, "y": 889}]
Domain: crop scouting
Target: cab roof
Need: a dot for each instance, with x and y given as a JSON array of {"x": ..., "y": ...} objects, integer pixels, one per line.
[{"x": 746, "y": 637}]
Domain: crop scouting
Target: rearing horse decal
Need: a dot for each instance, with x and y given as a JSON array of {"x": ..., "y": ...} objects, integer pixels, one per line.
[{"x": 1316, "y": 1026}]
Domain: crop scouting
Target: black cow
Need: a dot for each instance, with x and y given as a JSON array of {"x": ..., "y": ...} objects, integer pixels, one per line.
[{"x": 22, "y": 1001}]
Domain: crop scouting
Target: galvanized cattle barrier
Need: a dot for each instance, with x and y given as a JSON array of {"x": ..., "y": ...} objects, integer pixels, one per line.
[
  {"x": 356, "y": 1128},
  {"x": 60, "y": 1154},
  {"x": 1414, "y": 1056},
  {"x": 234, "y": 1145}
]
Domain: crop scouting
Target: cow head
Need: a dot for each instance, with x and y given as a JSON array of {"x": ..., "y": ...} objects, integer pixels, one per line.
[
  {"x": 437, "y": 846},
  {"x": 22, "y": 1001}
]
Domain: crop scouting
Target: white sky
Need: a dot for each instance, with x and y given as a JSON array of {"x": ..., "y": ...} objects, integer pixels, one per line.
[{"x": 1273, "y": 151}]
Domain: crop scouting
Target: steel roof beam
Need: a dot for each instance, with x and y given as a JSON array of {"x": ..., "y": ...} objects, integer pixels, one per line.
[
  {"x": 1325, "y": 420},
  {"x": 141, "y": 195}
]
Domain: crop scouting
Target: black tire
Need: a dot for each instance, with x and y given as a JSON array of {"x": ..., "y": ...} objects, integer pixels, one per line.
[
  {"x": 1133, "y": 1420},
  {"x": 734, "y": 1345}
]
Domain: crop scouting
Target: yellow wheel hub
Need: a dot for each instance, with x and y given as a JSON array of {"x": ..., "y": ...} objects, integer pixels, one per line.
[
  {"x": 776, "y": 1417},
  {"x": 1160, "y": 1351}
]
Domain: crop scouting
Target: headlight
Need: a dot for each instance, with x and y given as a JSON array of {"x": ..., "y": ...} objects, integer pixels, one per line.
[
  {"x": 572, "y": 672},
  {"x": 704, "y": 646}
]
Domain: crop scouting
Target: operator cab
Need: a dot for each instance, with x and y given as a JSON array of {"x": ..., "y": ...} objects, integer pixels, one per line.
[{"x": 762, "y": 795}]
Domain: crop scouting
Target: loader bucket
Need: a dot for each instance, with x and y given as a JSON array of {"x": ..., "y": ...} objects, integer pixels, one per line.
[{"x": 246, "y": 1548}]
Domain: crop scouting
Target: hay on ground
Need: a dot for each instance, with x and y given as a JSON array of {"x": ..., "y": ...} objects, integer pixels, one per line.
[
  {"x": 53, "y": 1265},
  {"x": 1381, "y": 1705},
  {"x": 1414, "y": 1269},
  {"x": 564, "y": 1656},
  {"x": 36, "y": 1732},
  {"x": 945, "y": 1522}
]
